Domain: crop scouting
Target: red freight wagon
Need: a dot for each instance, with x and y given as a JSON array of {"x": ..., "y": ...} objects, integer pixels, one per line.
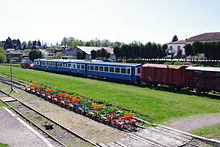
[
  {"x": 203, "y": 78},
  {"x": 172, "y": 75}
]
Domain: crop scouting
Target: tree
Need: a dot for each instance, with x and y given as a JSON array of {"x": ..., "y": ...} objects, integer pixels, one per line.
[
  {"x": 164, "y": 47},
  {"x": 8, "y": 43},
  {"x": 175, "y": 38},
  {"x": 18, "y": 44},
  {"x": 2, "y": 55},
  {"x": 30, "y": 44},
  {"x": 93, "y": 54},
  {"x": 197, "y": 47},
  {"x": 34, "y": 54},
  {"x": 34, "y": 44},
  {"x": 64, "y": 41},
  {"x": 103, "y": 53},
  {"x": 38, "y": 43},
  {"x": 188, "y": 49},
  {"x": 24, "y": 45},
  {"x": 217, "y": 50}
]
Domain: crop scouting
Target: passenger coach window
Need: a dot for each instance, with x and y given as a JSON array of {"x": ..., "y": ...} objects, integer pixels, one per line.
[
  {"x": 78, "y": 66},
  {"x": 92, "y": 67},
  {"x": 128, "y": 71},
  {"x": 83, "y": 66},
  {"x": 96, "y": 68},
  {"x": 106, "y": 69},
  {"x": 123, "y": 70},
  {"x": 111, "y": 69},
  {"x": 100, "y": 68},
  {"x": 117, "y": 70},
  {"x": 88, "y": 67}
]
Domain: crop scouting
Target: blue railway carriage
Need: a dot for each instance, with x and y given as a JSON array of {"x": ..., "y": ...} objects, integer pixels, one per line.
[
  {"x": 78, "y": 67},
  {"x": 123, "y": 71},
  {"x": 58, "y": 65}
]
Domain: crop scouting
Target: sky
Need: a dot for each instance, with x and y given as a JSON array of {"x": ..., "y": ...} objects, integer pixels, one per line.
[{"x": 116, "y": 20}]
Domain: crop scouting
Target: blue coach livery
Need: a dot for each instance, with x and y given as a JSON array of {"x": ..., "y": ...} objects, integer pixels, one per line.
[{"x": 113, "y": 70}]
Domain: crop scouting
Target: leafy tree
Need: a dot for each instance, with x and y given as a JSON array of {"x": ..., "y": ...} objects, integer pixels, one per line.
[
  {"x": 34, "y": 54},
  {"x": 175, "y": 38},
  {"x": 93, "y": 54},
  {"x": 103, "y": 53},
  {"x": 164, "y": 47},
  {"x": 38, "y": 43},
  {"x": 88, "y": 44},
  {"x": 30, "y": 44},
  {"x": 116, "y": 51},
  {"x": 18, "y": 44},
  {"x": 217, "y": 50},
  {"x": 197, "y": 47},
  {"x": 64, "y": 41},
  {"x": 24, "y": 45},
  {"x": 188, "y": 49},
  {"x": 2, "y": 55},
  {"x": 207, "y": 49},
  {"x": 34, "y": 44},
  {"x": 8, "y": 43}
]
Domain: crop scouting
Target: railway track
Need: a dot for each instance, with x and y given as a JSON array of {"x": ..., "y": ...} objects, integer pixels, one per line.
[
  {"x": 59, "y": 135},
  {"x": 155, "y": 135}
]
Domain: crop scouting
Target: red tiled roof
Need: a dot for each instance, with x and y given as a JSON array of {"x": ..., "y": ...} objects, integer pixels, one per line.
[
  {"x": 214, "y": 36},
  {"x": 178, "y": 42}
]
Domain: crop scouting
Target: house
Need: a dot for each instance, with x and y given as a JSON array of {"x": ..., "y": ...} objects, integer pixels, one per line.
[
  {"x": 176, "y": 48},
  {"x": 12, "y": 53},
  {"x": 72, "y": 52},
  {"x": 49, "y": 52}
]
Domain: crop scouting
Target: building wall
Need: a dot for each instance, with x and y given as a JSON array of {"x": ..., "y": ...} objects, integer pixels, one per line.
[{"x": 173, "y": 48}]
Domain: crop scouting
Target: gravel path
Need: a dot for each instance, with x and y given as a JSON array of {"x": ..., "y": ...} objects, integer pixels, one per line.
[{"x": 194, "y": 122}]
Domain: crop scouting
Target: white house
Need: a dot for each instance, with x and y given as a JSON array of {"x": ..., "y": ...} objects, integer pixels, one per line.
[{"x": 176, "y": 48}]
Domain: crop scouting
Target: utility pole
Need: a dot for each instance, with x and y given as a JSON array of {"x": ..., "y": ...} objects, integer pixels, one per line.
[{"x": 12, "y": 89}]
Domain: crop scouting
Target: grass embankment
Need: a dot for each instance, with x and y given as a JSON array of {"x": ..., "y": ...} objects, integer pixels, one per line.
[
  {"x": 212, "y": 131},
  {"x": 3, "y": 145},
  {"x": 154, "y": 105}
]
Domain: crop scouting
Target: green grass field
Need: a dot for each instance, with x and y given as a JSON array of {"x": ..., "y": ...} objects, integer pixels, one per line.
[
  {"x": 153, "y": 105},
  {"x": 209, "y": 131}
]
